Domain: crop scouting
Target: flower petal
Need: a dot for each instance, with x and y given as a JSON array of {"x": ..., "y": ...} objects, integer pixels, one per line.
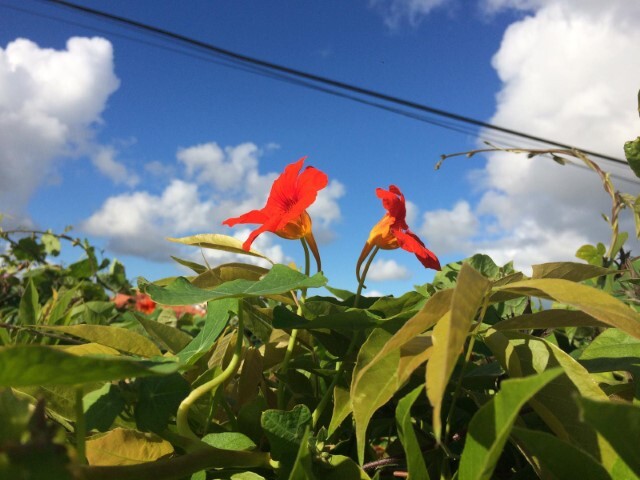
[
  {"x": 393, "y": 202},
  {"x": 410, "y": 242},
  {"x": 283, "y": 190},
  {"x": 254, "y": 216}
]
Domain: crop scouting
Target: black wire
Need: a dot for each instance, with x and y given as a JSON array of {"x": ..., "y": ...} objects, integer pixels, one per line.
[{"x": 291, "y": 72}]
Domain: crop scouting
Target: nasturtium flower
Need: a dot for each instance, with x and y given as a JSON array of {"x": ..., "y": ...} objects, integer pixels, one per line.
[
  {"x": 285, "y": 213},
  {"x": 393, "y": 232}
]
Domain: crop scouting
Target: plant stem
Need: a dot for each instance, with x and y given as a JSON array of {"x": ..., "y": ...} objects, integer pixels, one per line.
[
  {"x": 294, "y": 333},
  {"x": 182, "y": 417},
  {"x": 364, "y": 275},
  {"x": 81, "y": 427}
]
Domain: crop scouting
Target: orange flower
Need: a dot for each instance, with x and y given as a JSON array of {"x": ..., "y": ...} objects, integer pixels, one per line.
[
  {"x": 392, "y": 231},
  {"x": 285, "y": 213}
]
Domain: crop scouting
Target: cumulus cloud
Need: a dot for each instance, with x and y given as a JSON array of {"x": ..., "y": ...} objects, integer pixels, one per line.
[
  {"x": 569, "y": 71},
  {"x": 50, "y": 102},
  {"x": 382, "y": 270},
  {"x": 449, "y": 231},
  {"x": 395, "y": 12},
  {"x": 217, "y": 183},
  {"x": 104, "y": 159}
]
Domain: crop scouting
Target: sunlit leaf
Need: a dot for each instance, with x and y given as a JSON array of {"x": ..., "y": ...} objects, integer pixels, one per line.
[
  {"x": 342, "y": 468},
  {"x": 229, "y": 441},
  {"x": 407, "y": 435},
  {"x": 102, "y": 407},
  {"x": 559, "y": 458},
  {"x": 280, "y": 279},
  {"x": 373, "y": 386},
  {"x": 25, "y": 365},
  {"x": 122, "y": 446},
  {"x": 115, "y": 337},
  {"x": 215, "y": 322},
  {"x": 228, "y": 272},
  {"x": 29, "y": 308},
  {"x": 523, "y": 355},
  {"x": 592, "y": 301},
  {"x": 449, "y": 337},
  {"x": 302, "y": 468},
  {"x": 350, "y": 319},
  {"x": 572, "y": 271},
  {"x": 490, "y": 427},
  {"x": 341, "y": 407},
  {"x": 216, "y": 241},
  {"x": 612, "y": 350}
]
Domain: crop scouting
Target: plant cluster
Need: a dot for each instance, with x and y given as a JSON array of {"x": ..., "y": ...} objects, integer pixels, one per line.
[{"x": 482, "y": 373}]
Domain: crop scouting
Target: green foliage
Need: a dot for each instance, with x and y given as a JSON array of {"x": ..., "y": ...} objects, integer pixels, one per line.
[{"x": 484, "y": 372}]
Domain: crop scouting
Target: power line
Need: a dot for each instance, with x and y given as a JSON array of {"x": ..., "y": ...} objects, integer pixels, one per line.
[{"x": 287, "y": 72}]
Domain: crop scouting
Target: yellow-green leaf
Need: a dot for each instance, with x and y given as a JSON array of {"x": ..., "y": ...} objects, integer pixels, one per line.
[
  {"x": 591, "y": 301},
  {"x": 115, "y": 337},
  {"x": 449, "y": 336},
  {"x": 126, "y": 447},
  {"x": 216, "y": 241},
  {"x": 573, "y": 271}
]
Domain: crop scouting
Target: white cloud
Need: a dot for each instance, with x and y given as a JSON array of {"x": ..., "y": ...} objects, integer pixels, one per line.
[
  {"x": 382, "y": 270},
  {"x": 395, "y": 12},
  {"x": 50, "y": 103},
  {"x": 449, "y": 231},
  {"x": 220, "y": 183},
  {"x": 105, "y": 161},
  {"x": 569, "y": 72}
]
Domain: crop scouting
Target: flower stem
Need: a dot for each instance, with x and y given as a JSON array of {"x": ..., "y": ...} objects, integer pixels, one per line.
[
  {"x": 364, "y": 275},
  {"x": 182, "y": 417},
  {"x": 294, "y": 333}
]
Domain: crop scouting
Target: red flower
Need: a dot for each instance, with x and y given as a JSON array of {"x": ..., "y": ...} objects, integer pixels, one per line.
[
  {"x": 392, "y": 231},
  {"x": 144, "y": 303},
  {"x": 285, "y": 213}
]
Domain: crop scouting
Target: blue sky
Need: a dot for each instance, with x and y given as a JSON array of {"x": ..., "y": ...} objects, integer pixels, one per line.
[{"x": 127, "y": 139}]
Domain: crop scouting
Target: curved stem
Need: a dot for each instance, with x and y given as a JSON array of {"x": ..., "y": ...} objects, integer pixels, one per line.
[
  {"x": 364, "y": 276},
  {"x": 182, "y": 417}
]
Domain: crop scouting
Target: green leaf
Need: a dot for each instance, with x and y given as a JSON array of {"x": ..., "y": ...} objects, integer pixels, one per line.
[
  {"x": 285, "y": 430},
  {"x": 632, "y": 153},
  {"x": 126, "y": 447},
  {"x": 172, "y": 338},
  {"x": 341, "y": 408},
  {"x": 60, "y": 306},
  {"x": 26, "y": 365},
  {"x": 229, "y": 441},
  {"x": 218, "y": 242},
  {"x": 102, "y": 407},
  {"x": 572, "y": 271},
  {"x": 51, "y": 244},
  {"x": 590, "y": 254},
  {"x": 549, "y": 319},
  {"x": 302, "y": 468},
  {"x": 449, "y": 337},
  {"x": 247, "y": 476},
  {"x": 214, "y": 324},
  {"x": 372, "y": 387},
  {"x": 415, "y": 461},
  {"x": 559, "y": 458},
  {"x": 619, "y": 424},
  {"x": 612, "y": 350},
  {"x": 228, "y": 272},
  {"x": 115, "y": 337},
  {"x": 158, "y": 400},
  {"x": 591, "y": 301},
  {"x": 524, "y": 355},
  {"x": 196, "y": 267},
  {"x": 350, "y": 320},
  {"x": 280, "y": 279},
  {"x": 29, "y": 308},
  {"x": 490, "y": 426}
]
